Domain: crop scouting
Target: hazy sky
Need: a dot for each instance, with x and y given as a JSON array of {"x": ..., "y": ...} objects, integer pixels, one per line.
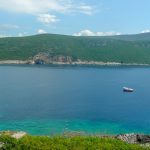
[{"x": 74, "y": 17}]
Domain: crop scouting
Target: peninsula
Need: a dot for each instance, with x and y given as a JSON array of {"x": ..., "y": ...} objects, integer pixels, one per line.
[{"x": 64, "y": 49}]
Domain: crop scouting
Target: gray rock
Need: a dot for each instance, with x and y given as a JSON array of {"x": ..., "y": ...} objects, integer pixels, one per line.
[
  {"x": 1, "y": 144},
  {"x": 128, "y": 138},
  {"x": 14, "y": 134},
  {"x": 46, "y": 58},
  {"x": 143, "y": 138},
  {"x": 134, "y": 138}
]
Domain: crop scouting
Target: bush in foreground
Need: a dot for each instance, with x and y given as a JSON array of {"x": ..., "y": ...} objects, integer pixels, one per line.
[{"x": 65, "y": 143}]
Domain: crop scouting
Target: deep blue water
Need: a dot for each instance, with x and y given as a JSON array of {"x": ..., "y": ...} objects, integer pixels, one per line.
[{"x": 56, "y": 99}]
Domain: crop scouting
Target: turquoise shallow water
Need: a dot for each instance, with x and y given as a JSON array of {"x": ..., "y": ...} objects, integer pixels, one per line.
[
  {"x": 48, "y": 100},
  {"x": 57, "y": 127}
]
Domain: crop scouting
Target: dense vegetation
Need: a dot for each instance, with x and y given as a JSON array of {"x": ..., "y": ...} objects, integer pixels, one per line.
[
  {"x": 66, "y": 143},
  {"x": 123, "y": 48}
]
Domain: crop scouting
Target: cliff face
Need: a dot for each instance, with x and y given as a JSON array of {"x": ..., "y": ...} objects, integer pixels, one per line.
[{"x": 44, "y": 58}]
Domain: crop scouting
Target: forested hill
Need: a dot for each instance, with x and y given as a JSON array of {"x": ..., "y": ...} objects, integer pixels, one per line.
[{"x": 122, "y": 48}]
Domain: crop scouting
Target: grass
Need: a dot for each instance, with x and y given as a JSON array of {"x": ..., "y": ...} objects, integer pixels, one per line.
[{"x": 66, "y": 143}]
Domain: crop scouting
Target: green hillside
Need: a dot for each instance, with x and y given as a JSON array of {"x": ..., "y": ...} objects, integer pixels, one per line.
[{"x": 123, "y": 48}]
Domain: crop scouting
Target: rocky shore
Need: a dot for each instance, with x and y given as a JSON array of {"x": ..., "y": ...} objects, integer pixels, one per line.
[
  {"x": 130, "y": 138},
  {"x": 79, "y": 62},
  {"x": 16, "y": 62},
  {"x": 44, "y": 58},
  {"x": 21, "y": 140},
  {"x": 140, "y": 140}
]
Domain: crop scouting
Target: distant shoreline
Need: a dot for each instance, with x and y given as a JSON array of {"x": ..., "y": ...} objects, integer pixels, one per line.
[{"x": 98, "y": 63}]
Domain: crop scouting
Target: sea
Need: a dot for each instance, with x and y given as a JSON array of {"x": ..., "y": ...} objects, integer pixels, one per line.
[{"x": 58, "y": 99}]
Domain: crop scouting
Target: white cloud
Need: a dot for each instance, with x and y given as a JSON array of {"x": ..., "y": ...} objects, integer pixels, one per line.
[
  {"x": 85, "y": 9},
  {"x": 108, "y": 33},
  {"x": 8, "y": 26},
  {"x": 44, "y": 6},
  {"x": 47, "y": 18},
  {"x": 22, "y": 34},
  {"x": 145, "y": 31},
  {"x": 44, "y": 9},
  {"x": 91, "y": 33},
  {"x": 41, "y": 31},
  {"x": 5, "y": 29},
  {"x": 84, "y": 33}
]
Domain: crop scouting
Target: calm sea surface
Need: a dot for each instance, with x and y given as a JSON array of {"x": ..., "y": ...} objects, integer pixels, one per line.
[{"x": 45, "y": 100}]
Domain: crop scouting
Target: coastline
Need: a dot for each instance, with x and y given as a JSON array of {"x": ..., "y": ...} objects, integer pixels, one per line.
[
  {"x": 21, "y": 140},
  {"x": 130, "y": 138},
  {"x": 98, "y": 63}
]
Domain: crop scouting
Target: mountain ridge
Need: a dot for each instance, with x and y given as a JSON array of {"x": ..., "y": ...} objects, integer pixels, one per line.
[{"x": 133, "y": 48}]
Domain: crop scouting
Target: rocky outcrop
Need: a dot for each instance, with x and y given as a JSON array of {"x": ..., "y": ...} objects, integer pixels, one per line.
[
  {"x": 61, "y": 58},
  {"x": 128, "y": 138},
  {"x": 143, "y": 138},
  {"x": 45, "y": 58},
  {"x": 134, "y": 138},
  {"x": 1, "y": 144},
  {"x": 16, "y": 135},
  {"x": 13, "y": 134},
  {"x": 41, "y": 58}
]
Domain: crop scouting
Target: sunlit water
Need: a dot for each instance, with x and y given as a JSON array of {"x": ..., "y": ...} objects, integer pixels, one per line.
[{"x": 45, "y": 100}]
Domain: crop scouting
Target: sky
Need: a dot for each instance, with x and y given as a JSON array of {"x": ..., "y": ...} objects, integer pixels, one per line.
[{"x": 74, "y": 17}]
